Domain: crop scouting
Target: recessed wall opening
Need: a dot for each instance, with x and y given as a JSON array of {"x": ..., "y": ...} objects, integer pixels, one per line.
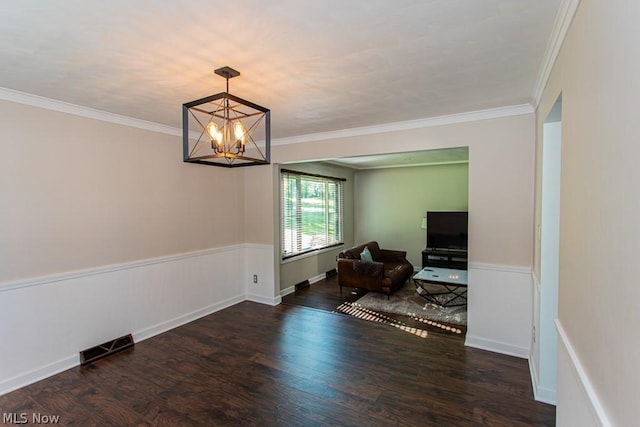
[
  {"x": 386, "y": 200},
  {"x": 548, "y": 233}
]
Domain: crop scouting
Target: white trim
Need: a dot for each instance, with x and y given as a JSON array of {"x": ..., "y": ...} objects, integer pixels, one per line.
[
  {"x": 186, "y": 318},
  {"x": 43, "y": 280},
  {"x": 587, "y": 387},
  {"x": 311, "y": 254},
  {"x": 287, "y": 291},
  {"x": 501, "y": 268},
  {"x": 69, "y": 362},
  {"x": 78, "y": 110},
  {"x": 316, "y": 279},
  {"x": 312, "y": 280},
  {"x": 540, "y": 394},
  {"x": 493, "y": 113},
  {"x": 566, "y": 12},
  {"x": 536, "y": 282},
  {"x": 35, "y": 375},
  {"x": 488, "y": 284},
  {"x": 261, "y": 246},
  {"x": 412, "y": 165},
  {"x": 264, "y": 300},
  {"x": 496, "y": 346}
]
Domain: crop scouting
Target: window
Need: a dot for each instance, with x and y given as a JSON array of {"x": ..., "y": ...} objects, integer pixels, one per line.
[{"x": 312, "y": 211}]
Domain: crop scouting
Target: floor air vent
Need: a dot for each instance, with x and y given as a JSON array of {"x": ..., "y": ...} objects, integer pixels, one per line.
[{"x": 103, "y": 350}]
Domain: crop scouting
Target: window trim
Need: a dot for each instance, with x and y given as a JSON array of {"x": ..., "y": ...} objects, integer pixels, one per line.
[
  {"x": 312, "y": 251},
  {"x": 334, "y": 178}
]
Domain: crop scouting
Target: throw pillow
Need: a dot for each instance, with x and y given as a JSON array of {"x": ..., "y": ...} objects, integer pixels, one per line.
[{"x": 365, "y": 255}]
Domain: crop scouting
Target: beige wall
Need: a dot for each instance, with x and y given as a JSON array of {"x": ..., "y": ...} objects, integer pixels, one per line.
[
  {"x": 501, "y": 176},
  {"x": 257, "y": 214},
  {"x": 390, "y": 203},
  {"x": 597, "y": 73},
  {"x": 79, "y": 193}
]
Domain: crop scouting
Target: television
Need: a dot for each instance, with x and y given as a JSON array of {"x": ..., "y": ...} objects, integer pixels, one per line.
[{"x": 447, "y": 230}]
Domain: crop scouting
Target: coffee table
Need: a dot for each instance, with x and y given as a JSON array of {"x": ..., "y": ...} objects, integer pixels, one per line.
[{"x": 445, "y": 287}]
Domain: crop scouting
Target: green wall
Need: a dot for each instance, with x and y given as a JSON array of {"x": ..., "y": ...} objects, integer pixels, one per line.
[{"x": 390, "y": 203}]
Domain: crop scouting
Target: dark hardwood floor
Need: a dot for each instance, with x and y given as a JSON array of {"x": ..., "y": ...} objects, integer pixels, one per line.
[
  {"x": 288, "y": 365},
  {"x": 326, "y": 295},
  {"x": 323, "y": 295}
]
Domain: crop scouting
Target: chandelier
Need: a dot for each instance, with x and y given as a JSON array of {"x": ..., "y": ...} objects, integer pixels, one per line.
[{"x": 224, "y": 130}]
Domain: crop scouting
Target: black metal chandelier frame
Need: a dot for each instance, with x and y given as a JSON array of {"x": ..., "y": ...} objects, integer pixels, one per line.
[{"x": 225, "y": 109}]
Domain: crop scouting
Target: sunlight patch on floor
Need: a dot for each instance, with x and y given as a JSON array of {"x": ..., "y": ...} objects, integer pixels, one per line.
[{"x": 353, "y": 309}]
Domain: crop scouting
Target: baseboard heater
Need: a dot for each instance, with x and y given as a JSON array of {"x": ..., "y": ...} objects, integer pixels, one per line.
[{"x": 92, "y": 354}]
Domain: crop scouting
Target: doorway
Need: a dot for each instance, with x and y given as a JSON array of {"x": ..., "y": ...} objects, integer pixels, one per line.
[{"x": 549, "y": 235}]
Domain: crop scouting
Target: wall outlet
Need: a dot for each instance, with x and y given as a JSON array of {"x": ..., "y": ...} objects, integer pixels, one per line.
[{"x": 255, "y": 278}]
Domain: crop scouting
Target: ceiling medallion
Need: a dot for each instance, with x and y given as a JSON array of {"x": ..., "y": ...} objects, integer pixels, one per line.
[{"x": 224, "y": 130}]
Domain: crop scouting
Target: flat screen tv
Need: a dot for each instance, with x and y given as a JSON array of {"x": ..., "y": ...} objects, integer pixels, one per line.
[{"x": 447, "y": 230}]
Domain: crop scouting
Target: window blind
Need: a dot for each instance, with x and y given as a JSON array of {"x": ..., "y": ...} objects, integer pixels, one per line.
[{"x": 312, "y": 212}]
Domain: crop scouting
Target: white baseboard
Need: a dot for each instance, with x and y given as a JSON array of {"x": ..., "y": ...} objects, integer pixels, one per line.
[
  {"x": 287, "y": 291},
  {"x": 264, "y": 300},
  {"x": 316, "y": 279},
  {"x": 37, "y": 374},
  {"x": 291, "y": 289},
  {"x": 496, "y": 346},
  {"x": 186, "y": 318},
  {"x": 144, "y": 298},
  {"x": 541, "y": 394},
  {"x": 578, "y": 402},
  {"x": 73, "y": 360},
  {"x": 22, "y": 380}
]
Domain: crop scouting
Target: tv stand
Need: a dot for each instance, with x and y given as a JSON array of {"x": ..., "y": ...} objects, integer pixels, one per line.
[{"x": 444, "y": 258}]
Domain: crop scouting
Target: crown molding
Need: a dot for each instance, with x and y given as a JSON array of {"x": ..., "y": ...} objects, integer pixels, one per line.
[
  {"x": 78, "y": 110},
  {"x": 493, "y": 113},
  {"x": 564, "y": 17},
  {"x": 358, "y": 168}
]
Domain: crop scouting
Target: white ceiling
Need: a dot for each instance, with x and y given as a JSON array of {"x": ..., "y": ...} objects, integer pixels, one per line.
[{"x": 318, "y": 65}]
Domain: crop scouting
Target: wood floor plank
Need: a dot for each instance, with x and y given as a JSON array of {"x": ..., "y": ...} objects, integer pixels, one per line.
[{"x": 252, "y": 364}]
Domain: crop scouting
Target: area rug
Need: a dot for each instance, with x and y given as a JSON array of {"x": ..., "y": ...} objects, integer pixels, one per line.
[
  {"x": 406, "y": 301},
  {"x": 355, "y": 310},
  {"x": 352, "y": 309}
]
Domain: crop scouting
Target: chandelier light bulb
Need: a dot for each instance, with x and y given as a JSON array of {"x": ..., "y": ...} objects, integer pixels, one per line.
[
  {"x": 215, "y": 136},
  {"x": 212, "y": 130},
  {"x": 240, "y": 133}
]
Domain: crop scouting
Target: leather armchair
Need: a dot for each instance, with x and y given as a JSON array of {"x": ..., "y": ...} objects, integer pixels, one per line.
[{"x": 387, "y": 273}]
